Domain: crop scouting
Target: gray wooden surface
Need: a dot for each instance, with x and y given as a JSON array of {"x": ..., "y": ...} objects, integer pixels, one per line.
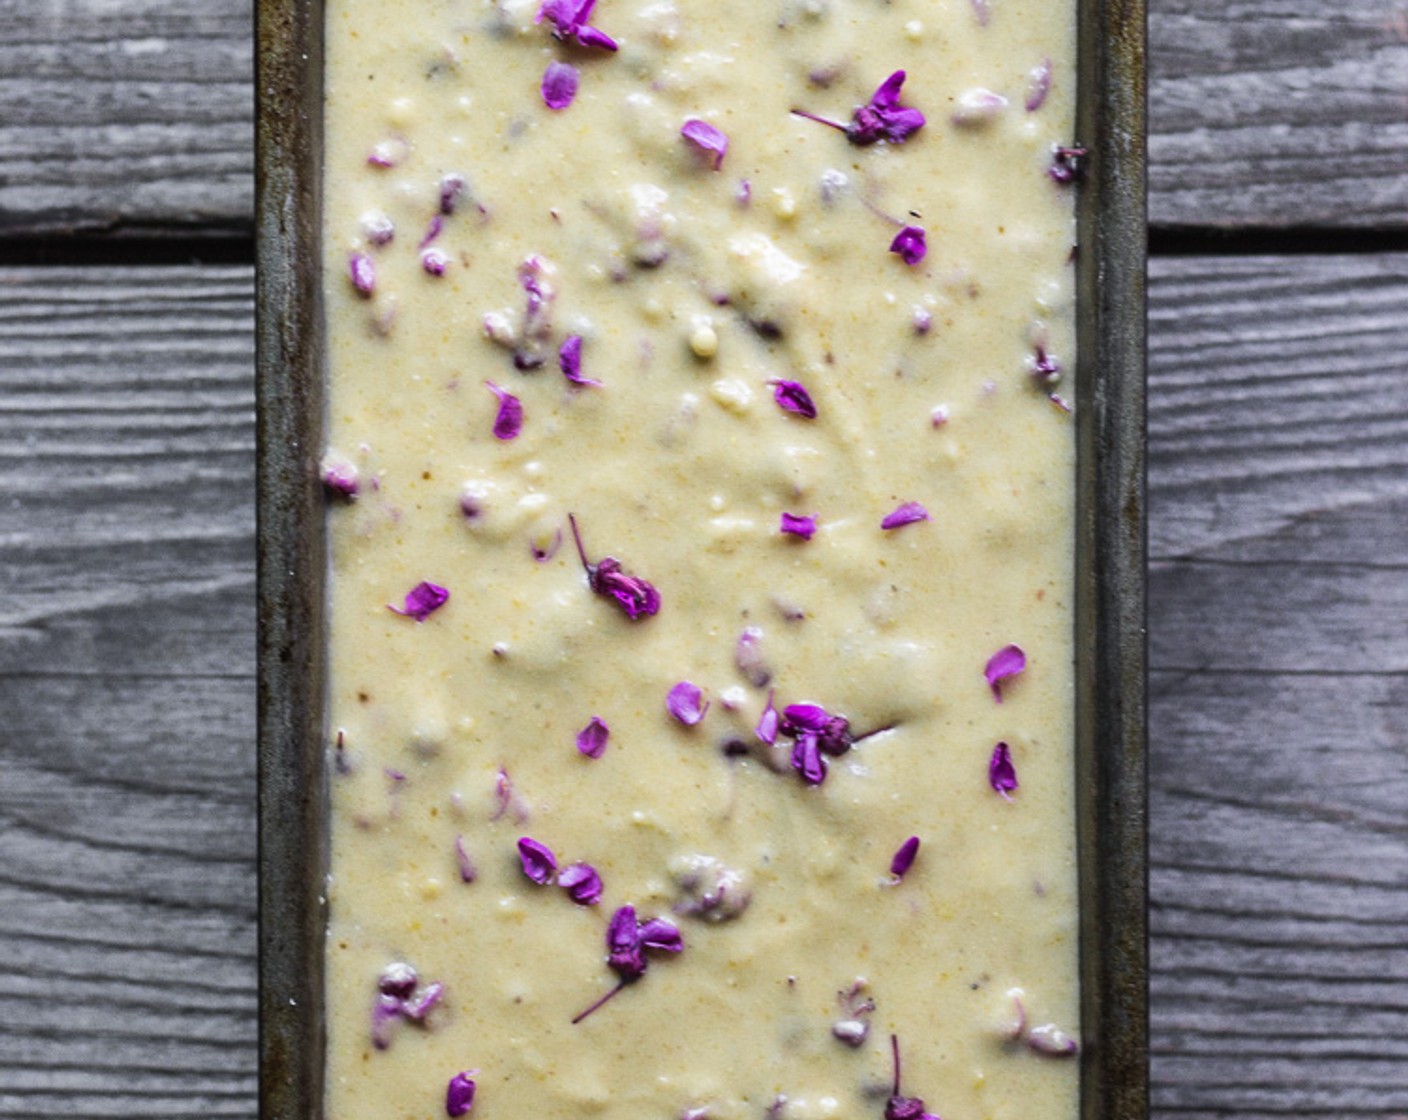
[{"x": 1278, "y": 522}]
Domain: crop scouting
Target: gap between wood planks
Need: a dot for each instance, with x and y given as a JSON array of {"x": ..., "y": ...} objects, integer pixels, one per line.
[{"x": 158, "y": 246}]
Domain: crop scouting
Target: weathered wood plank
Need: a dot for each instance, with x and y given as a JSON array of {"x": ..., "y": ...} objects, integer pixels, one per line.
[
  {"x": 122, "y": 113},
  {"x": 1278, "y": 113},
  {"x": 1278, "y": 708},
  {"x": 127, "y": 888},
  {"x": 1270, "y": 113},
  {"x": 1279, "y": 690}
]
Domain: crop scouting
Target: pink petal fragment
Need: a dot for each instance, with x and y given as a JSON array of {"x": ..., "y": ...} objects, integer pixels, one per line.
[
  {"x": 686, "y": 703},
  {"x": 906, "y": 514},
  {"x": 1006, "y": 663},
  {"x": 423, "y": 600},
  {"x": 591, "y": 740},
  {"x": 710, "y": 141},
  {"x": 560, "y": 81}
]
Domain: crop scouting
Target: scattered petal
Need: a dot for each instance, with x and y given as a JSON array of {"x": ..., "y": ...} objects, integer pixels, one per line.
[
  {"x": 906, "y": 514},
  {"x": 904, "y": 858},
  {"x": 807, "y": 760},
  {"x": 569, "y": 20},
  {"x": 661, "y": 935},
  {"x": 1038, "y": 85},
  {"x": 767, "y": 728},
  {"x": 378, "y": 229},
  {"x": 882, "y": 118},
  {"x": 362, "y": 272},
  {"x": 910, "y": 244},
  {"x": 459, "y": 1094},
  {"x": 434, "y": 262},
  {"x": 684, "y": 703},
  {"x": 1067, "y": 164},
  {"x": 423, "y": 600},
  {"x": 423, "y": 1002},
  {"x": 544, "y": 545},
  {"x": 386, "y": 1012},
  {"x": 636, "y": 597},
  {"x": 468, "y": 872},
  {"x": 569, "y": 360},
  {"x": 537, "y": 860},
  {"x": 793, "y": 397},
  {"x": 591, "y": 740},
  {"x": 1045, "y": 369},
  {"x": 1006, "y": 663},
  {"x": 397, "y": 979},
  {"x": 1002, "y": 774},
  {"x": 340, "y": 478},
  {"x": 452, "y": 189},
  {"x": 798, "y": 525},
  {"x": 582, "y": 883},
  {"x": 707, "y": 139},
  {"x": 509, "y": 421},
  {"x": 560, "y": 82},
  {"x": 976, "y": 107},
  {"x": 437, "y": 224},
  {"x": 748, "y": 657},
  {"x": 1051, "y": 1041}
]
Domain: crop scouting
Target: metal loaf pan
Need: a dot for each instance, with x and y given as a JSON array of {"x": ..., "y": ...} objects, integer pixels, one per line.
[{"x": 1110, "y": 640}]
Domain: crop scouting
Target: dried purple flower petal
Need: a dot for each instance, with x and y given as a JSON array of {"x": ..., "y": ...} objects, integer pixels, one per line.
[
  {"x": 386, "y": 1011},
  {"x": 569, "y": 360},
  {"x": 767, "y": 728},
  {"x": 340, "y": 479},
  {"x": 798, "y": 525},
  {"x": 362, "y": 273},
  {"x": 624, "y": 952},
  {"x": 397, "y": 979},
  {"x": 591, "y": 740},
  {"x": 661, "y": 935},
  {"x": 1051, "y": 1041},
  {"x": 509, "y": 421},
  {"x": 977, "y": 107},
  {"x": 378, "y": 229},
  {"x": 434, "y": 262},
  {"x": 683, "y": 703},
  {"x": 1002, "y": 774},
  {"x": 459, "y": 1094},
  {"x": 537, "y": 860},
  {"x": 506, "y": 799},
  {"x": 707, "y": 139},
  {"x": 560, "y": 82},
  {"x": 635, "y": 596},
  {"x": 899, "y": 1107},
  {"x": 881, "y": 118},
  {"x": 468, "y": 872},
  {"x": 748, "y": 657},
  {"x": 452, "y": 189},
  {"x": 423, "y": 600},
  {"x": 1067, "y": 164},
  {"x": 1044, "y": 368},
  {"x": 1004, "y": 664},
  {"x": 432, "y": 231},
  {"x": 807, "y": 760},
  {"x": 906, "y": 514},
  {"x": 569, "y": 20},
  {"x": 793, "y": 397},
  {"x": 910, "y": 244},
  {"x": 904, "y": 858},
  {"x": 1038, "y": 85},
  {"x": 388, "y": 153},
  {"x": 424, "y": 1001},
  {"x": 582, "y": 883}
]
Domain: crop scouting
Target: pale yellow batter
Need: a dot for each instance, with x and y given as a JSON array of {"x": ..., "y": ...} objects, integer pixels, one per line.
[{"x": 472, "y": 233}]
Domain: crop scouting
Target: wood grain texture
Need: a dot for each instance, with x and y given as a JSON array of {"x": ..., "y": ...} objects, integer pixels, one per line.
[
  {"x": 1279, "y": 688},
  {"x": 1279, "y": 702},
  {"x": 1278, "y": 113},
  {"x": 123, "y": 114},
  {"x": 127, "y": 879}
]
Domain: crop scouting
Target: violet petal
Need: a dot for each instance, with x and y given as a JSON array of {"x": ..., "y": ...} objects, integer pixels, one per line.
[
  {"x": 1067, "y": 164},
  {"x": 423, "y": 600},
  {"x": 1006, "y": 663},
  {"x": 708, "y": 139},
  {"x": 459, "y": 1094},
  {"x": 340, "y": 479},
  {"x": 582, "y": 883},
  {"x": 748, "y": 657},
  {"x": 468, "y": 872},
  {"x": 423, "y": 1002},
  {"x": 1038, "y": 85},
  {"x": 434, "y": 262},
  {"x": 569, "y": 360},
  {"x": 559, "y": 87},
  {"x": 793, "y": 397},
  {"x": 397, "y": 979},
  {"x": 591, "y": 740},
  {"x": 684, "y": 703},
  {"x": 766, "y": 731},
  {"x": 904, "y": 858},
  {"x": 362, "y": 273},
  {"x": 800, "y": 719},
  {"x": 807, "y": 760},
  {"x": 537, "y": 860},
  {"x": 386, "y": 1011},
  {"x": 910, "y": 245},
  {"x": 906, "y": 514},
  {"x": 1051, "y": 1041},
  {"x": 509, "y": 421},
  {"x": 1002, "y": 774},
  {"x": 798, "y": 525},
  {"x": 661, "y": 935}
]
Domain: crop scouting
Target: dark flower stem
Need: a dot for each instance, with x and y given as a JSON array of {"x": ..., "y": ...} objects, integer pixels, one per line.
[
  {"x": 895, "y": 1049},
  {"x": 819, "y": 120},
  {"x": 599, "y": 1003},
  {"x": 577, "y": 536}
]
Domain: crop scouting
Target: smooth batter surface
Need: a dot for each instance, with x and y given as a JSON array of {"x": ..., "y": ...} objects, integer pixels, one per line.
[{"x": 694, "y": 290}]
